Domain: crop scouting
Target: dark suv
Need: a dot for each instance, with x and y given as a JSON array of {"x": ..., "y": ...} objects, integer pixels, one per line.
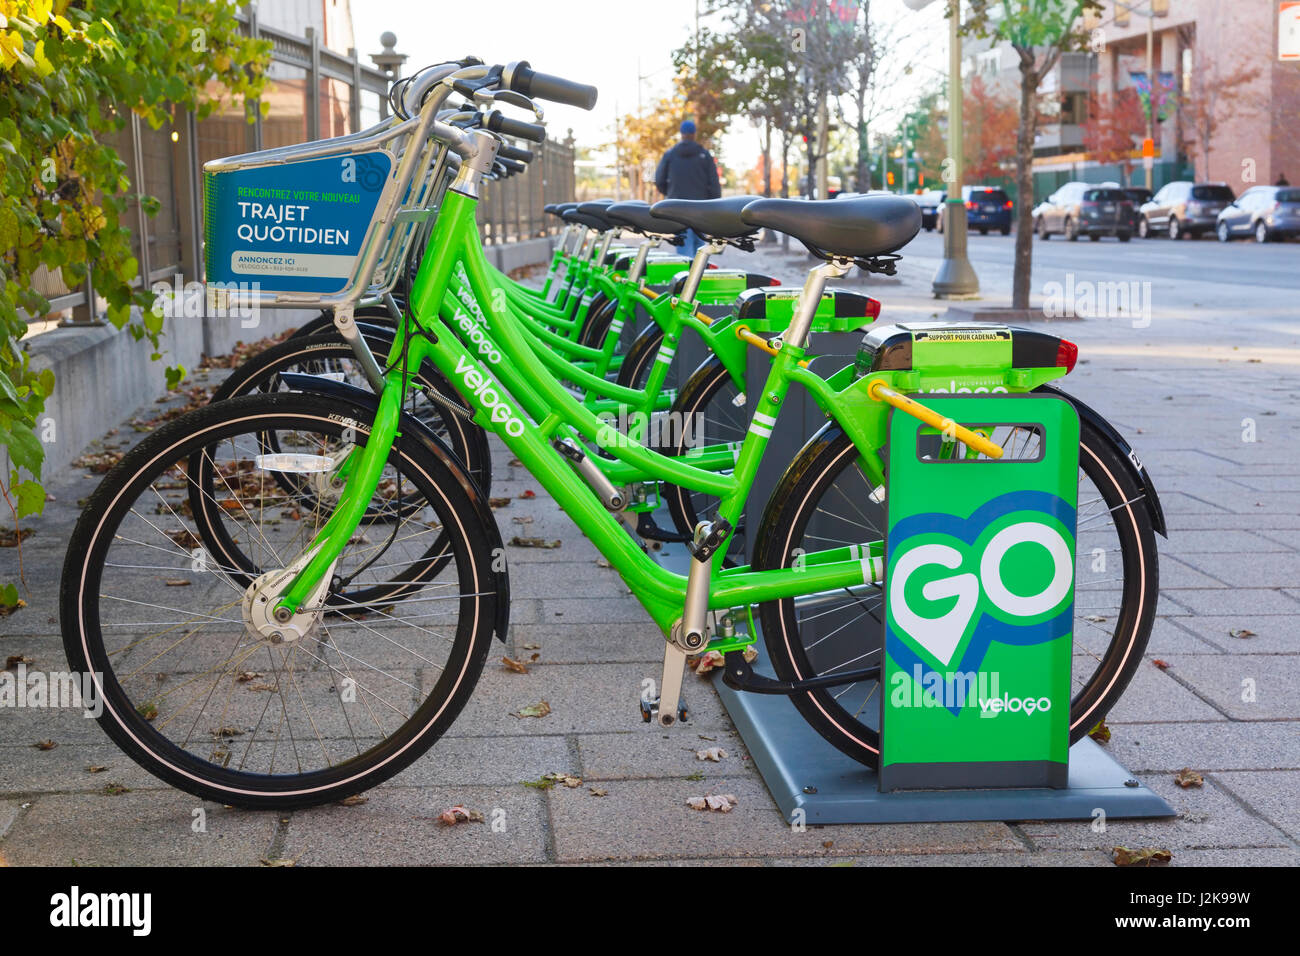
[
  {"x": 1086, "y": 209},
  {"x": 1184, "y": 209},
  {"x": 987, "y": 207}
]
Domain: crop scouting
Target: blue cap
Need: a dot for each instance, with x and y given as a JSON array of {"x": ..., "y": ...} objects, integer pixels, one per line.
[{"x": 688, "y": 126}]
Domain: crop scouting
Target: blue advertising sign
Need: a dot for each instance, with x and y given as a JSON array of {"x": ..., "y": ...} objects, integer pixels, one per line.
[{"x": 292, "y": 227}]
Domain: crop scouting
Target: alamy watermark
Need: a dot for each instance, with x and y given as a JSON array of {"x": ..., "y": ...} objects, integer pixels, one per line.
[
  {"x": 668, "y": 429},
  {"x": 51, "y": 689},
  {"x": 1083, "y": 299},
  {"x": 956, "y": 689},
  {"x": 220, "y": 300}
]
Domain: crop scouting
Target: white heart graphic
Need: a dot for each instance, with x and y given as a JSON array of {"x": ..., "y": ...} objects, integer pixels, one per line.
[{"x": 938, "y": 635}]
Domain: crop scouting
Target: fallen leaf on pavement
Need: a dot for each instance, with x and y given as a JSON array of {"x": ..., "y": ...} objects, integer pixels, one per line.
[
  {"x": 708, "y": 661},
  {"x": 1240, "y": 632},
  {"x": 513, "y": 665},
  {"x": 499, "y": 502},
  {"x": 518, "y": 542},
  {"x": 354, "y": 801},
  {"x": 598, "y": 791},
  {"x": 712, "y": 753},
  {"x": 45, "y": 745},
  {"x": 532, "y": 647},
  {"x": 540, "y": 709},
  {"x": 568, "y": 780},
  {"x": 1163, "y": 665},
  {"x": 719, "y": 803},
  {"x": 178, "y": 583},
  {"x": 458, "y": 814},
  {"x": 1144, "y": 856},
  {"x": 522, "y": 519},
  {"x": 1188, "y": 777},
  {"x": 95, "y": 768},
  {"x": 1100, "y": 733},
  {"x": 13, "y": 660},
  {"x": 274, "y": 861},
  {"x": 528, "y": 493}
]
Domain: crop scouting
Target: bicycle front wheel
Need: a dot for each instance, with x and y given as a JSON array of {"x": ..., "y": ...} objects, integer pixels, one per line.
[{"x": 204, "y": 699}]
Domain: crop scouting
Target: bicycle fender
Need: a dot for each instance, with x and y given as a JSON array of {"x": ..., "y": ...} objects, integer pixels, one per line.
[
  {"x": 1135, "y": 466},
  {"x": 411, "y": 425}
]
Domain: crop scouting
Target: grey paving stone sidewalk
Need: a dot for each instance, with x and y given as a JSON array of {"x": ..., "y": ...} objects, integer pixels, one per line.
[{"x": 1219, "y": 702}]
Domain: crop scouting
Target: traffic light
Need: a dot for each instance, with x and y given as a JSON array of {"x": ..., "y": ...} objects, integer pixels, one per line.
[{"x": 889, "y": 178}]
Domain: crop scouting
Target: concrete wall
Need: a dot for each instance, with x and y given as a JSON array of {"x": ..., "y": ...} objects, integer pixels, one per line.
[{"x": 102, "y": 375}]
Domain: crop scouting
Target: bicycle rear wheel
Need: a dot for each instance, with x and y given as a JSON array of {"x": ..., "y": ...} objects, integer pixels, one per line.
[
  {"x": 824, "y": 502},
  {"x": 194, "y": 692},
  {"x": 327, "y": 354}
]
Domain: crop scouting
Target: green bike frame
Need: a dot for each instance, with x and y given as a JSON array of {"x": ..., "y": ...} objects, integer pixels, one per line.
[{"x": 556, "y": 414}]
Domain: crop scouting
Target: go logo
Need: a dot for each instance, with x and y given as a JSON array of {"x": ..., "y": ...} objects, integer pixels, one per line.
[{"x": 1009, "y": 582}]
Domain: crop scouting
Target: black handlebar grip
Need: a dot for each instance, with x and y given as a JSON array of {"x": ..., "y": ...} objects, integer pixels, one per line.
[
  {"x": 510, "y": 165},
  {"x": 543, "y": 86},
  {"x": 515, "y": 153},
  {"x": 500, "y": 123}
]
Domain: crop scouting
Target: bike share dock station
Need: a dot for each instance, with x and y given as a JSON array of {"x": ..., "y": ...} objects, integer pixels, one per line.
[{"x": 974, "y": 703}]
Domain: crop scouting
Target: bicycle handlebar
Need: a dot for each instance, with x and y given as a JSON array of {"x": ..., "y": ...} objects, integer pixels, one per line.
[
  {"x": 516, "y": 153},
  {"x": 498, "y": 122},
  {"x": 522, "y": 78}
]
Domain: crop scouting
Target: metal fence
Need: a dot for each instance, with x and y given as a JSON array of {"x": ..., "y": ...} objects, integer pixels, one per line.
[
  {"x": 314, "y": 93},
  {"x": 511, "y": 209}
]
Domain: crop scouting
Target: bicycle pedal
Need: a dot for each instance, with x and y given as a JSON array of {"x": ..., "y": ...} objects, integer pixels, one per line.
[{"x": 650, "y": 711}]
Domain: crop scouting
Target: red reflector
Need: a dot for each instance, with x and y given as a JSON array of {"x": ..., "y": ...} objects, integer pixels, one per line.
[
  {"x": 1008, "y": 204},
  {"x": 1067, "y": 353},
  {"x": 713, "y": 265},
  {"x": 774, "y": 282},
  {"x": 872, "y": 310}
]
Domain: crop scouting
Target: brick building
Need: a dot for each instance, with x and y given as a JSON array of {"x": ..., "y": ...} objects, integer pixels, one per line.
[{"x": 1231, "y": 107}]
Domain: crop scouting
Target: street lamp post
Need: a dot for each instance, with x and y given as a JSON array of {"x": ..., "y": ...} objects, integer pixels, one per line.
[
  {"x": 1157, "y": 8},
  {"x": 956, "y": 277}
]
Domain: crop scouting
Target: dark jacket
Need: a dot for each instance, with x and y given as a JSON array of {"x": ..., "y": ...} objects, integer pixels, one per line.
[{"x": 687, "y": 171}]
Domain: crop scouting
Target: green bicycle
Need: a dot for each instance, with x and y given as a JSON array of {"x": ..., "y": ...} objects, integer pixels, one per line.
[{"x": 346, "y": 577}]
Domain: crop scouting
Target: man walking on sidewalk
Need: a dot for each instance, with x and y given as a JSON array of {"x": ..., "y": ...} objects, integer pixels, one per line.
[{"x": 687, "y": 171}]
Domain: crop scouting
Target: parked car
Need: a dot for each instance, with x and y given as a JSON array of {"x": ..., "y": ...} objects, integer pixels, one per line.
[
  {"x": 1138, "y": 196},
  {"x": 1265, "y": 212},
  {"x": 930, "y": 203},
  {"x": 1085, "y": 209},
  {"x": 1184, "y": 208},
  {"x": 987, "y": 207}
]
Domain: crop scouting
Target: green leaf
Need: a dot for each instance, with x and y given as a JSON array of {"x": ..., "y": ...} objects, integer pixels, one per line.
[
  {"x": 24, "y": 447},
  {"x": 30, "y": 498}
]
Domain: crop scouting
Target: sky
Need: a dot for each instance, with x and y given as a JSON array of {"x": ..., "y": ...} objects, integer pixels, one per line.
[{"x": 607, "y": 45}]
